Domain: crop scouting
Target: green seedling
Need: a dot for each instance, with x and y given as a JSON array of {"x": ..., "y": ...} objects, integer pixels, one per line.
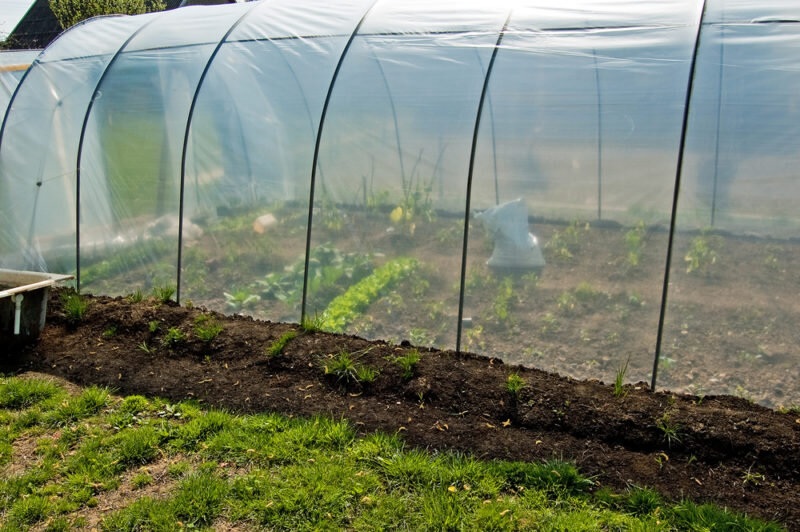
[
  {"x": 701, "y": 255},
  {"x": 153, "y": 326},
  {"x": 670, "y": 429},
  {"x": 173, "y": 337},
  {"x": 135, "y": 297},
  {"x": 408, "y": 363},
  {"x": 634, "y": 241},
  {"x": 279, "y": 345},
  {"x": 619, "y": 380},
  {"x": 75, "y": 306},
  {"x": 163, "y": 293},
  {"x": 143, "y": 347},
  {"x": 514, "y": 385},
  {"x": 206, "y": 328},
  {"x": 344, "y": 367}
]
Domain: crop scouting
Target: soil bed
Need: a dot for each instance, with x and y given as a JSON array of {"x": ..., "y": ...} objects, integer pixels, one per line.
[{"x": 720, "y": 449}]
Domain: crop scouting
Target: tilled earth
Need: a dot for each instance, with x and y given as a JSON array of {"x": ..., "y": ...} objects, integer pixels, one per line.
[{"x": 720, "y": 449}]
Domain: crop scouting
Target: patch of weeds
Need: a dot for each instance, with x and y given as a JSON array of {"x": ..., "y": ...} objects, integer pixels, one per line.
[
  {"x": 163, "y": 293},
  {"x": 670, "y": 429},
  {"x": 634, "y": 242},
  {"x": 586, "y": 293},
  {"x": 135, "y": 297},
  {"x": 87, "y": 404},
  {"x": 178, "y": 469},
  {"x": 206, "y": 328},
  {"x": 642, "y": 501},
  {"x": 687, "y": 515},
  {"x": 141, "y": 480},
  {"x": 702, "y": 254},
  {"x": 564, "y": 244},
  {"x": 514, "y": 385},
  {"x": 111, "y": 332},
  {"x": 29, "y": 510},
  {"x": 144, "y": 514},
  {"x": 312, "y": 324},
  {"x": 17, "y": 393},
  {"x": 346, "y": 370},
  {"x": 500, "y": 305},
  {"x": 277, "y": 347},
  {"x": 556, "y": 477},
  {"x": 619, "y": 380},
  {"x": 135, "y": 446},
  {"x": 408, "y": 363},
  {"x": 75, "y": 306},
  {"x": 199, "y": 500},
  {"x": 566, "y": 302},
  {"x": 173, "y": 338}
]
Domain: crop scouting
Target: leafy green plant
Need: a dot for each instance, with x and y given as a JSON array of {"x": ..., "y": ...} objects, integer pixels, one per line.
[
  {"x": 563, "y": 244},
  {"x": 408, "y": 363},
  {"x": 163, "y": 293},
  {"x": 702, "y": 254},
  {"x": 421, "y": 336},
  {"x": 279, "y": 345},
  {"x": 206, "y": 328},
  {"x": 619, "y": 380},
  {"x": 75, "y": 306},
  {"x": 566, "y": 302},
  {"x": 500, "y": 305},
  {"x": 110, "y": 332},
  {"x": 240, "y": 299},
  {"x": 345, "y": 308},
  {"x": 634, "y": 242},
  {"x": 515, "y": 385},
  {"x": 153, "y": 326},
  {"x": 173, "y": 337},
  {"x": 144, "y": 347}
]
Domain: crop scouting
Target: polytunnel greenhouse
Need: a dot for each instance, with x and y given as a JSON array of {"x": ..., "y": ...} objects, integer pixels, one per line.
[{"x": 568, "y": 185}]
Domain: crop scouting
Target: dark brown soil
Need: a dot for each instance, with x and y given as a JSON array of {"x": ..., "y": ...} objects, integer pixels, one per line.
[{"x": 724, "y": 449}]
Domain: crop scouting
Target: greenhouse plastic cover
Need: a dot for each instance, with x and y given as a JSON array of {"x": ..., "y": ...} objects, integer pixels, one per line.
[{"x": 277, "y": 157}]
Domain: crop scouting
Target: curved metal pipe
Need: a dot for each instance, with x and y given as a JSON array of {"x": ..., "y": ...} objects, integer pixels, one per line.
[
  {"x": 470, "y": 176},
  {"x": 186, "y": 138},
  {"x": 316, "y": 156},
  {"x": 675, "y": 194},
  {"x": 80, "y": 152}
]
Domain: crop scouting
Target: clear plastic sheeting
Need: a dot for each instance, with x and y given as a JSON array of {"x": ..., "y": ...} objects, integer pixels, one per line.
[
  {"x": 570, "y": 130},
  {"x": 13, "y": 65},
  {"x": 38, "y": 148},
  {"x": 734, "y": 290},
  {"x": 499, "y": 178}
]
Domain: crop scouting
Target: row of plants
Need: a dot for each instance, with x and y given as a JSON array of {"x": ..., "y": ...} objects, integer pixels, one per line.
[{"x": 271, "y": 471}]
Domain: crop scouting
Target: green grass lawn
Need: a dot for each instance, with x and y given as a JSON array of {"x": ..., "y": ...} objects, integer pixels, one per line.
[{"x": 89, "y": 459}]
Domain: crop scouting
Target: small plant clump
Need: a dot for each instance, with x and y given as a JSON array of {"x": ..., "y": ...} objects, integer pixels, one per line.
[
  {"x": 153, "y": 326},
  {"x": 408, "y": 363},
  {"x": 634, "y": 242},
  {"x": 619, "y": 380},
  {"x": 279, "y": 345},
  {"x": 346, "y": 370},
  {"x": 206, "y": 328},
  {"x": 173, "y": 337},
  {"x": 75, "y": 306},
  {"x": 514, "y": 385},
  {"x": 670, "y": 429},
  {"x": 135, "y": 297},
  {"x": 163, "y": 293},
  {"x": 702, "y": 254}
]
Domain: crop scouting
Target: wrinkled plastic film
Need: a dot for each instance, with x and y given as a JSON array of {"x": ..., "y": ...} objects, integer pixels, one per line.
[
  {"x": 737, "y": 216},
  {"x": 130, "y": 166},
  {"x": 568, "y": 241}
]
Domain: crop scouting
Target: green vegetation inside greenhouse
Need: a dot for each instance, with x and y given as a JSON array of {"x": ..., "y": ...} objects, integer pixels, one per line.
[{"x": 164, "y": 464}]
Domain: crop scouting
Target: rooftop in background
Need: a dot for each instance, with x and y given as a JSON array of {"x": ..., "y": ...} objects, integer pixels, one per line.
[{"x": 28, "y": 24}]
